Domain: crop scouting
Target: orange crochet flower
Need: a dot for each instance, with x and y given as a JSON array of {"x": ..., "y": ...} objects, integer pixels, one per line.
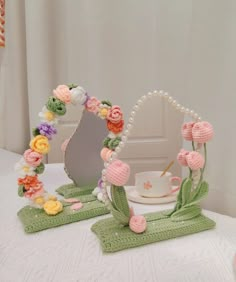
[
  {"x": 28, "y": 181},
  {"x": 115, "y": 127}
]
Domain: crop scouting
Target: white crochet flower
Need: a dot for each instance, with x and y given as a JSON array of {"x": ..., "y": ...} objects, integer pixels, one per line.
[
  {"x": 78, "y": 95},
  {"x": 96, "y": 191},
  {"x": 113, "y": 135},
  {"x": 24, "y": 169},
  {"x": 100, "y": 197},
  {"x": 48, "y": 116}
]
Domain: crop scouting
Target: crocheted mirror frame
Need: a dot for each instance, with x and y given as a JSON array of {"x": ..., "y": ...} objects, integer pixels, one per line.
[
  {"x": 185, "y": 218},
  {"x": 45, "y": 210}
]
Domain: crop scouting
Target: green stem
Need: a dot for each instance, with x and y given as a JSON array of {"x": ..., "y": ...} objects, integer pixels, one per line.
[{"x": 193, "y": 145}]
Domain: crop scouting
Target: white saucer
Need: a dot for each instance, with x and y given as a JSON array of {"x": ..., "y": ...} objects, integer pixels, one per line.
[{"x": 133, "y": 195}]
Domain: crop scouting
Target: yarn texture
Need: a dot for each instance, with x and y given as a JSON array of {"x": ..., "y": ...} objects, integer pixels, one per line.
[{"x": 56, "y": 106}]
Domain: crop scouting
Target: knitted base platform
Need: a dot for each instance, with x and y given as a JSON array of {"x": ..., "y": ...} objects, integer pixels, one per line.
[
  {"x": 34, "y": 219},
  {"x": 72, "y": 190},
  {"x": 159, "y": 227}
]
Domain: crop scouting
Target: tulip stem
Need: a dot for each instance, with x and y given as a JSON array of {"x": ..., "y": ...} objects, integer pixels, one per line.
[{"x": 193, "y": 145}]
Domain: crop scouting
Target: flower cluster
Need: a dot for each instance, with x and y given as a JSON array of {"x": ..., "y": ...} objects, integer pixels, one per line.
[
  {"x": 31, "y": 164},
  {"x": 200, "y": 133}
]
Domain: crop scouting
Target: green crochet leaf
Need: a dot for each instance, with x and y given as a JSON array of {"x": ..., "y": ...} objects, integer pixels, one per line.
[
  {"x": 199, "y": 193},
  {"x": 21, "y": 190},
  {"x": 106, "y": 141},
  {"x": 186, "y": 191},
  {"x": 119, "y": 200},
  {"x": 120, "y": 217},
  {"x": 186, "y": 213},
  {"x": 106, "y": 102},
  {"x": 35, "y": 131}
]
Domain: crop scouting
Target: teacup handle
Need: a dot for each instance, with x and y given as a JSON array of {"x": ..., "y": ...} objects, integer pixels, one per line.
[{"x": 175, "y": 178}]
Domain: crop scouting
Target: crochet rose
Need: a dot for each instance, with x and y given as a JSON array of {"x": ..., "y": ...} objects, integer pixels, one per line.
[
  {"x": 35, "y": 191},
  {"x": 181, "y": 157},
  {"x": 33, "y": 158},
  {"x": 92, "y": 105},
  {"x": 114, "y": 114},
  {"x": 115, "y": 127},
  {"x": 106, "y": 154},
  {"x": 138, "y": 223},
  {"x": 53, "y": 207},
  {"x": 195, "y": 160},
  {"x": 40, "y": 144},
  {"x": 63, "y": 93},
  {"x": 202, "y": 132},
  {"x": 118, "y": 173},
  {"x": 78, "y": 95},
  {"x": 186, "y": 131},
  {"x": 28, "y": 181}
]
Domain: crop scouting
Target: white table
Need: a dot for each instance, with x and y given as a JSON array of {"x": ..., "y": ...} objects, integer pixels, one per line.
[{"x": 73, "y": 253}]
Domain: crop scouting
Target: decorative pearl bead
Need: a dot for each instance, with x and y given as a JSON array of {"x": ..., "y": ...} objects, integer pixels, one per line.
[
  {"x": 124, "y": 138},
  {"x": 178, "y": 106},
  {"x": 161, "y": 93},
  {"x": 110, "y": 159},
  {"x": 126, "y": 132},
  {"x": 195, "y": 116},
  {"x": 166, "y": 95},
  {"x": 191, "y": 112},
  {"x": 139, "y": 102},
  {"x": 129, "y": 126},
  {"x": 131, "y": 120},
  {"x": 155, "y": 92},
  {"x": 199, "y": 119},
  {"x": 104, "y": 171},
  {"x": 106, "y": 165},
  {"x": 187, "y": 111},
  {"x": 182, "y": 109},
  {"x": 170, "y": 99},
  {"x": 117, "y": 149},
  {"x": 174, "y": 103},
  {"x": 149, "y": 94},
  {"x": 114, "y": 155},
  {"x": 121, "y": 144},
  {"x": 143, "y": 98},
  {"x": 132, "y": 113}
]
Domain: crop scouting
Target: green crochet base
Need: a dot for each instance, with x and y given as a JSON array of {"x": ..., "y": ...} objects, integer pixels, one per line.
[
  {"x": 34, "y": 219},
  {"x": 115, "y": 237},
  {"x": 71, "y": 190}
]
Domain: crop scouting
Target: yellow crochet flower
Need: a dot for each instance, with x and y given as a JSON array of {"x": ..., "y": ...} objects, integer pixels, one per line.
[
  {"x": 53, "y": 207},
  {"x": 39, "y": 201},
  {"x": 40, "y": 144}
]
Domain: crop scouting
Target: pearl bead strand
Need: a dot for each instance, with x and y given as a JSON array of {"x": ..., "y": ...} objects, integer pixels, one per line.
[{"x": 129, "y": 126}]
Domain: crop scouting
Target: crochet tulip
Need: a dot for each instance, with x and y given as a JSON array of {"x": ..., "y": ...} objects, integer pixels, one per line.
[
  {"x": 195, "y": 160},
  {"x": 118, "y": 173},
  {"x": 181, "y": 157},
  {"x": 202, "y": 132},
  {"x": 186, "y": 131},
  {"x": 138, "y": 223}
]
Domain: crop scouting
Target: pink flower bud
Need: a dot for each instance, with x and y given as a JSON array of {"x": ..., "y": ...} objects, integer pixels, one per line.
[
  {"x": 202, "y": 132},
  {"x": 62, "y": 93},
  {"x": 186, "y": 131},
  {"x": 195, "y": 160},
  {"x": 181, "y": 157},
  {"x": 118, "y": 173},
  {"x": 138, "y": 223},
  {"x": 106, "y": 154}
]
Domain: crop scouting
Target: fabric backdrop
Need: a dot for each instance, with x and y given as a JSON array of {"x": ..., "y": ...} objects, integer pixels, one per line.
[{"x": 104, "y": 45}]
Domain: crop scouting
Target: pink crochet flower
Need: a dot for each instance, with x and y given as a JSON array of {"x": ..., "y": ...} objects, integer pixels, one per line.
[
  {"x": 62, "y": 92},
  {"x": 195, "y": 160},
  {"x": 186, "y": 131},
  {"x": 106, "y": 154},
  {"x": 118, "y": 173},
  {"x": 92, "y": 105},
  {"x": 181, "y": 157},
  {"x": 33, "y": 158},
  {"x": 114, "y": 114},
  {"x": 34, "y": 191},
  {"x": 202, "y": 132},
  {"x": 138, "y": 223}
]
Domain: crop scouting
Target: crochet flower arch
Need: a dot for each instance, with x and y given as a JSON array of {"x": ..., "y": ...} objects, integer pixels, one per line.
[
  {"x": 193, "y": 189},
  {"x": 31, "y": 164}
]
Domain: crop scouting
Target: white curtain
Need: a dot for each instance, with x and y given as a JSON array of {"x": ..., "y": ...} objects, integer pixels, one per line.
[{"x": 126, "y": 47}]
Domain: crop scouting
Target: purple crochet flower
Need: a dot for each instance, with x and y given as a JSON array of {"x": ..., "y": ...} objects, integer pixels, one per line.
[{"x": 47, "y": 130}]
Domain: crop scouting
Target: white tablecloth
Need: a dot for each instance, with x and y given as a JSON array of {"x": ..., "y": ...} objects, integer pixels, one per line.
[{"x": 72, "y": 252}]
